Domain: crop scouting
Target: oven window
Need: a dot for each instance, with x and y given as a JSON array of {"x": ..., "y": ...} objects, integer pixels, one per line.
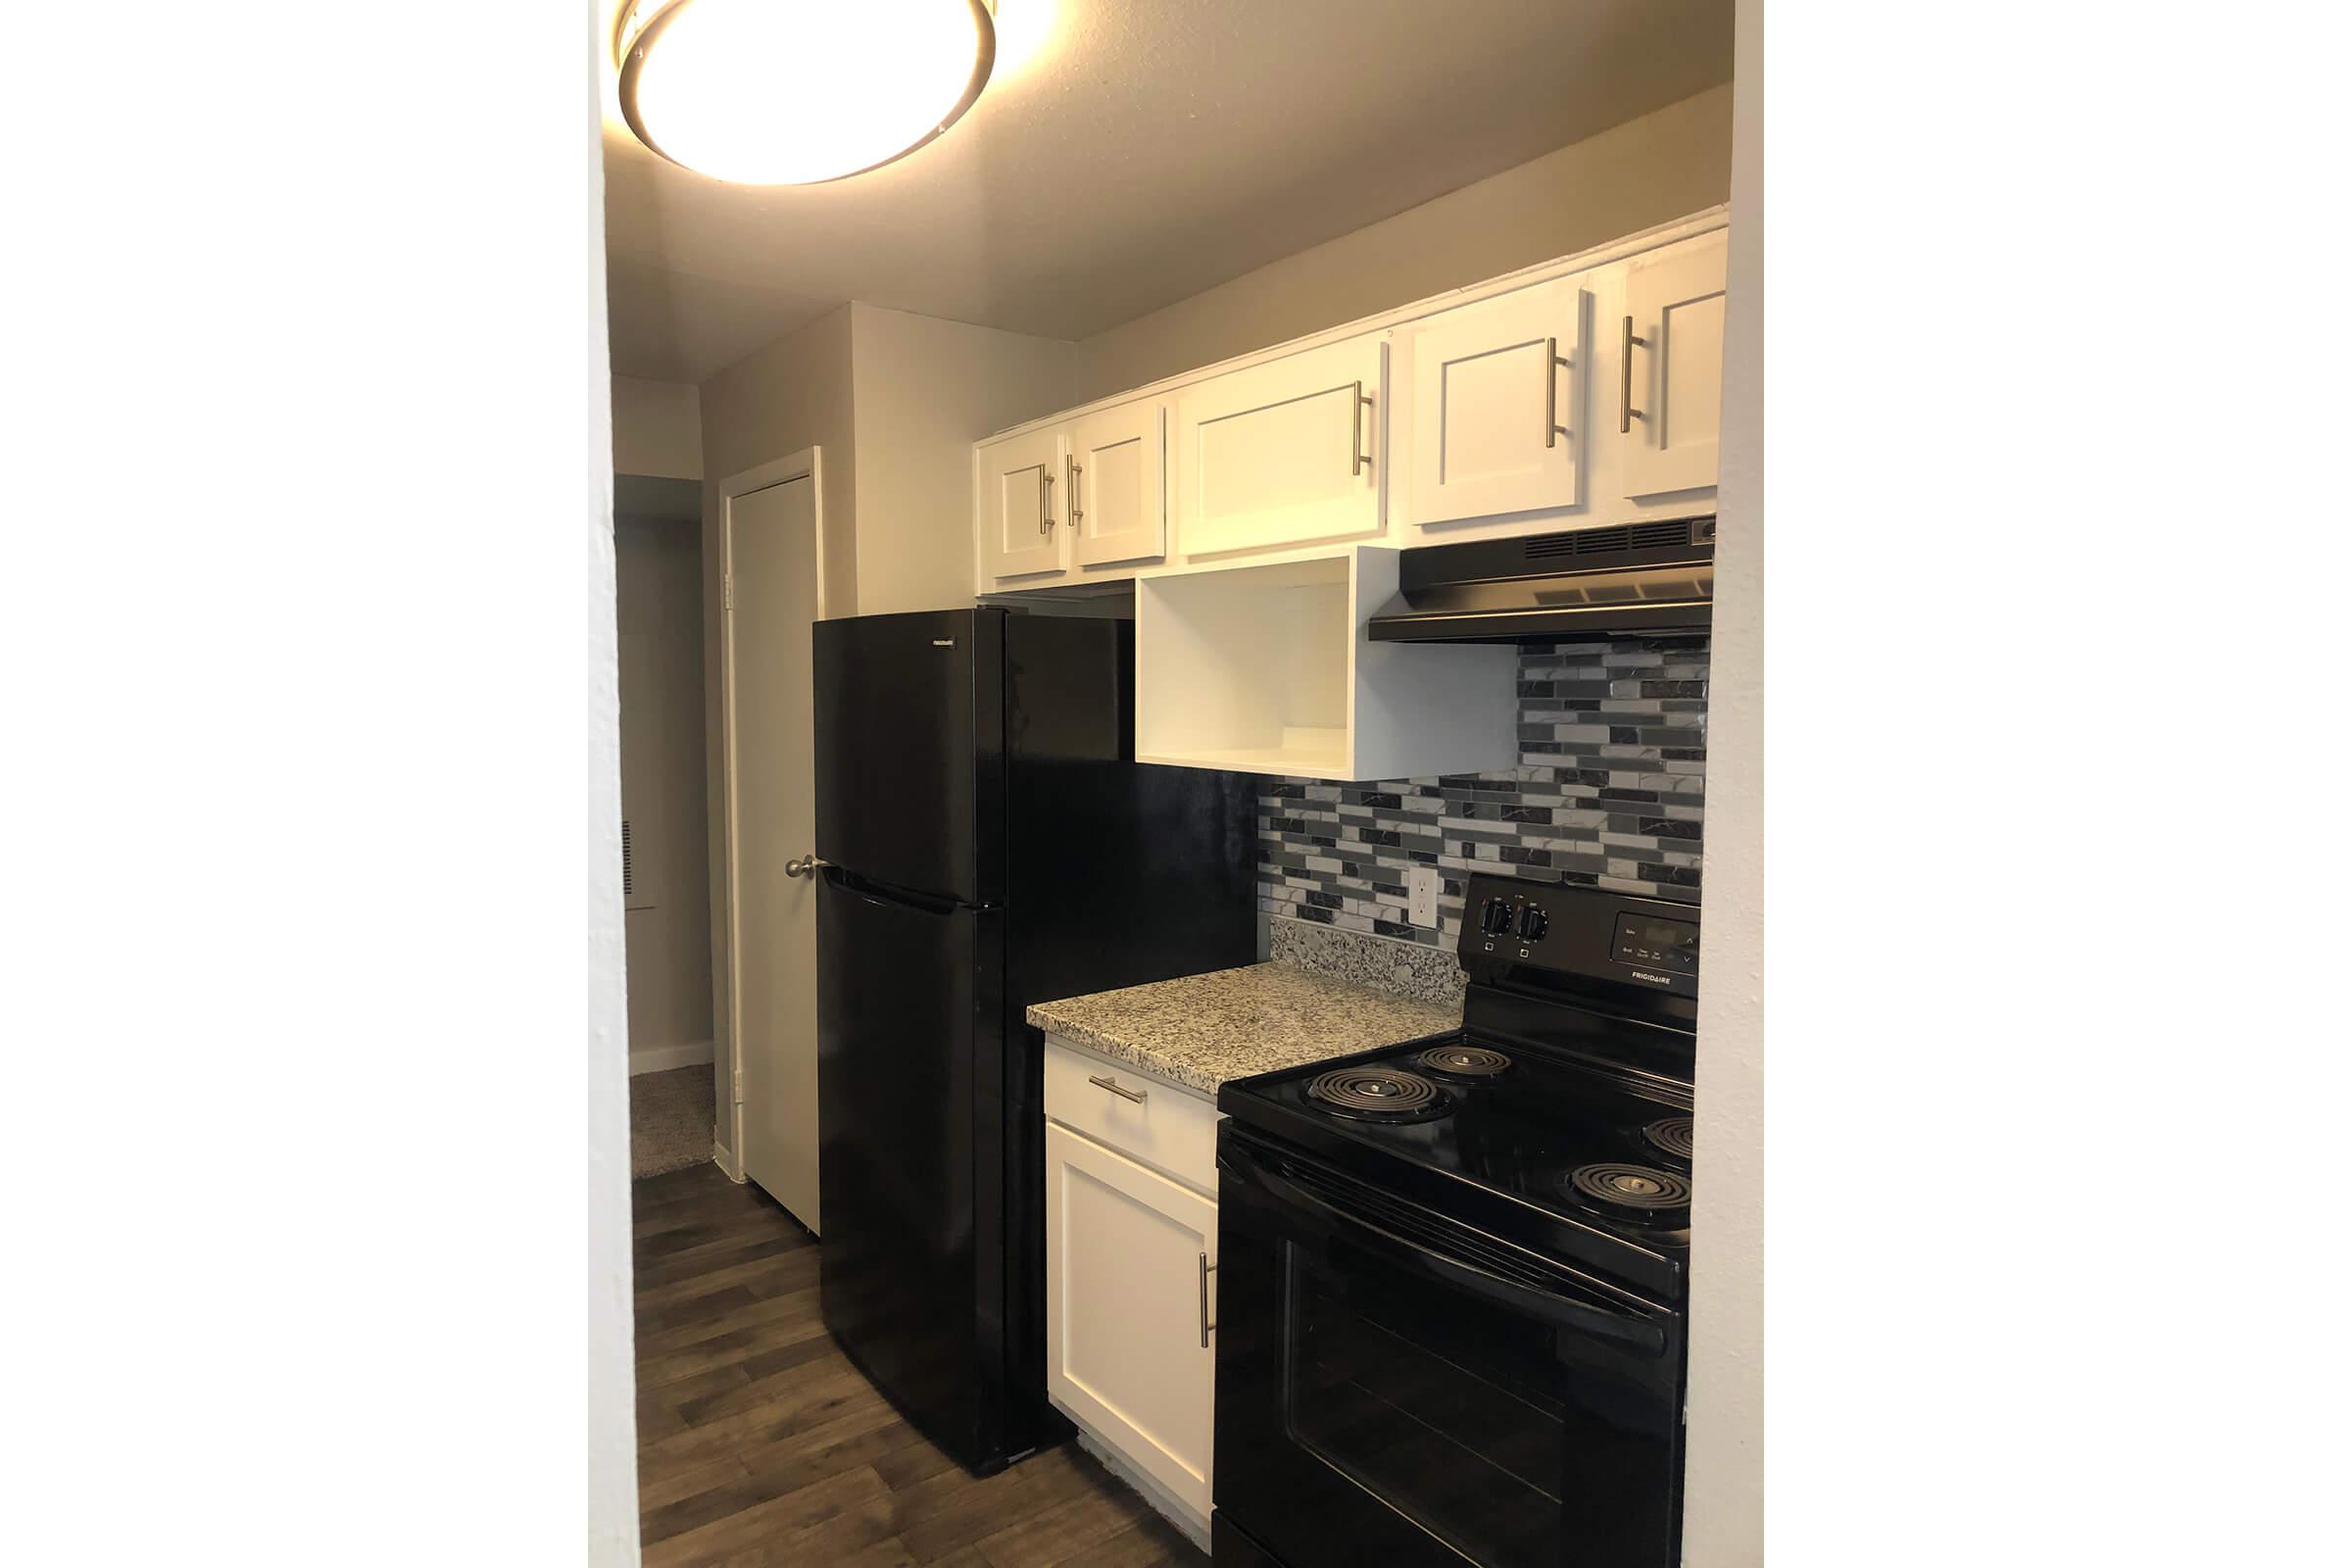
[{"x": 1431, "y": 1401}]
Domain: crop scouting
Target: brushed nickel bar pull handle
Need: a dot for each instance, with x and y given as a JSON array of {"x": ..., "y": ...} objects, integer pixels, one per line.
[
  {"x": 1626, "y": 411},
  {"x": 1206, "y": 1268},
  {"x": 1045, "y": 501},
  {"x": 1551, "y": 392},
  {"x": 1355, "y": 441},
  {"x": 1070, "y": 491},
  {"x": 1119, "y": 1088}
]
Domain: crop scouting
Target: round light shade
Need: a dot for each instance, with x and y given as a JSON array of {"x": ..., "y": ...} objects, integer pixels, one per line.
[{"x": 791, "y": 93}]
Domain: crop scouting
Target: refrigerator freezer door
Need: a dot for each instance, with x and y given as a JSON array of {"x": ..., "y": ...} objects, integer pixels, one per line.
[
  {"x": 910, "y": 751},
  {"x": 911, "y": 1125}
]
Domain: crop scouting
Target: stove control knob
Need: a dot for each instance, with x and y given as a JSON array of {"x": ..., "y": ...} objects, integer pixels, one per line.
[
  {"x": 1495, "y": 917},
  {"x": 1533, "y": 924}
]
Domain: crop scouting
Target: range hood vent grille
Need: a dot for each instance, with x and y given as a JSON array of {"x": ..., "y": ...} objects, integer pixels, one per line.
[
  {"x": 1639, "y": 577},
  {"x": 1665, "y": 536}
]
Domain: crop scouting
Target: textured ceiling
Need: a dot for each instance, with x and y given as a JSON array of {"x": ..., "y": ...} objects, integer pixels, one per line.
[{"x": 1130, "y": 153}]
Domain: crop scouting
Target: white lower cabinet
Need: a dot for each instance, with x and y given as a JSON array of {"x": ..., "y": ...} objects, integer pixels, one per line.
[{"x": 1130, "y": 1315}]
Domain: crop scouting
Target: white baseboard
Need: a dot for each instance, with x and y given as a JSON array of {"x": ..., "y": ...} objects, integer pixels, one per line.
[
  {"x": 725, "y": 1159},
  {"x": 661, "y": 1058}
]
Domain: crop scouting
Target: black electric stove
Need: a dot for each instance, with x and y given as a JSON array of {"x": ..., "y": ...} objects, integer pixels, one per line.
[{"x": 1453, "y": 1268}]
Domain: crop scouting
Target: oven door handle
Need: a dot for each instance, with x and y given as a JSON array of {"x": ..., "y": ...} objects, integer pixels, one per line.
[{"x": 1624, "y": 1327}]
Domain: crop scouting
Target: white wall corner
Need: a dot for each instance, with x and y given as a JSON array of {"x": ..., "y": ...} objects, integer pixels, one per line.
[{"x": 1723, "y": 1487}]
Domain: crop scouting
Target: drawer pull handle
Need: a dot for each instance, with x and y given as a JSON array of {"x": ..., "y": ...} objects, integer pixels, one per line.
[
  {"x": 1207, "y": 1327},
  {"x": 1119, "y": 1088}
]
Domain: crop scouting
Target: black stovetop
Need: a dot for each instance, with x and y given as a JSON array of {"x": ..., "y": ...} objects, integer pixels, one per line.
[
  {"x": 1580, "y": 1149},
  {"x": 1505, "y": 1151}
]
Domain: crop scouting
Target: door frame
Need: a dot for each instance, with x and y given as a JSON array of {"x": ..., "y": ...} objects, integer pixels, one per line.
[{"x": 809, "y": 465}]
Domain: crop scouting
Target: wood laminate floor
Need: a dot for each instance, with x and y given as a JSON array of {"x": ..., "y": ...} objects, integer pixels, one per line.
[{"x": 758, "y": 1443}]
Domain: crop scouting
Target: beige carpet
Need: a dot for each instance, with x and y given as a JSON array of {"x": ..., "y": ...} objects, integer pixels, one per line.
[{"x": 669, "y": 1120}]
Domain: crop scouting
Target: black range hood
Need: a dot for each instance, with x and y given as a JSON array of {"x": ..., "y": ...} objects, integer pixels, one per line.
[{"x": 1652, "y": 577}]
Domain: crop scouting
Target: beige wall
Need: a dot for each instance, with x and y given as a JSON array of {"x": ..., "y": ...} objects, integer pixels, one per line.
[
  {"x": 656, "y": 428},
  {"x": 1722, "y": 1500},
  {"x": 1650, "y": 170},
  {"x": 792, "y": 395},
  {"x": 927, "y": 390},
  {"x": 659, "y": 589}
]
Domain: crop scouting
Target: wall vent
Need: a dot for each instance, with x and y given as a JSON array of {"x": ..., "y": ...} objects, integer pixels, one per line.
[{"x": 628, "y": 863}]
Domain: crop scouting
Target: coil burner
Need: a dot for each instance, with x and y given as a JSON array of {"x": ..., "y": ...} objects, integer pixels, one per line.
[
  {"x": 1465, "y": 1061},
  {"x": 1379, "y": 1094},
  {"x": 1671, "y": 1137},
  {"x": 1635, "y": 1191}
]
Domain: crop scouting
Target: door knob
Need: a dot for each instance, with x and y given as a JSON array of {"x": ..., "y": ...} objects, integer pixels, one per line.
[{"x": 805, "y": 865}]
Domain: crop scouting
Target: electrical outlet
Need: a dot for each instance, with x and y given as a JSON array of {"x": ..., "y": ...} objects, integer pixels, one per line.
[{"x": 1421, "y": 886}]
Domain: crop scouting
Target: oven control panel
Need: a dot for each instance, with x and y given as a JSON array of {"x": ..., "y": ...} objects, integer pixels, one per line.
[
  {"x": 1651, "y": 943},
  {"x": 1659, "y": 944}
]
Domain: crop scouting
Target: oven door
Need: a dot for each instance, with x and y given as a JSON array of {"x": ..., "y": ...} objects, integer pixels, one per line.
[{"x": 1395, "y": 1386}]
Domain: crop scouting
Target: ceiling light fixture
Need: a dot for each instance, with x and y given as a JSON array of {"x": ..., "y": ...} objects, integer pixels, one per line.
[{"x": 796, "y": 92}]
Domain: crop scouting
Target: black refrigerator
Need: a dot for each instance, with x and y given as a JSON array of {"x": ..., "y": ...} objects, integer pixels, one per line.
[{"x": 991, "y": 842}]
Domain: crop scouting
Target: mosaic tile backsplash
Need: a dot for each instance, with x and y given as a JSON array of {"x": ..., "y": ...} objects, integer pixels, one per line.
[{"x": 1610, "y": 793}]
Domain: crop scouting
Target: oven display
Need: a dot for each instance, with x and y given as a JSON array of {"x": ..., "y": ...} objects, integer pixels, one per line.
[{"x": 1669, "y": 945}]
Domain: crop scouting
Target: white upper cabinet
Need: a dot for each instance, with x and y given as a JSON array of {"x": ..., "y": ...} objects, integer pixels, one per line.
[
  {"x": 1020, "y": 505},
  {"x": 1669, "y": 387},
  {"x": 1116, "y": 485},
  {"x": 1498, "y": 404},
  {"x": 1584, "y": 393},
  {"x": 1266, "y": 668},
  {"x": 1284, "y": 453}
]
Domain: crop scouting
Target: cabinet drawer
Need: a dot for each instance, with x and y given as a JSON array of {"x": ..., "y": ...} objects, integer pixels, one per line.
[{"x": 1170, "y": 1129}]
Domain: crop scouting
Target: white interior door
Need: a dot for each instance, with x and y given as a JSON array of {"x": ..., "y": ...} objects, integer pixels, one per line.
[
  {"x": 1670, "y": 395},
  {"x": 1118, "y": 488},
  {"x": 1499, "y": 406},
  {"x": 1131, "y": 1309},
  {"x": 771, "y": 599}
]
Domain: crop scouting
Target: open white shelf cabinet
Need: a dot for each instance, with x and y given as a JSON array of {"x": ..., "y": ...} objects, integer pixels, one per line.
[{"x": 1266, "y": 670}]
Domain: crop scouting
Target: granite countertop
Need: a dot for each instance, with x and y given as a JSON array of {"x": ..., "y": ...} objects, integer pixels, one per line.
[{"x": 1204, "y": 1029}]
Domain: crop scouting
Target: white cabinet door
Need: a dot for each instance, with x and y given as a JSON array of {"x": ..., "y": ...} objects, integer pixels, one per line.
[
  {"x": 1117, "y": 484},
  {"x": 1670, "y": 391},
  {"x": 1498, "y": 404},
  {"x": 1020, "y": 516},
  {"x": 1283, "y": 452},
  {"x": 1130, "y": 1304}
]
